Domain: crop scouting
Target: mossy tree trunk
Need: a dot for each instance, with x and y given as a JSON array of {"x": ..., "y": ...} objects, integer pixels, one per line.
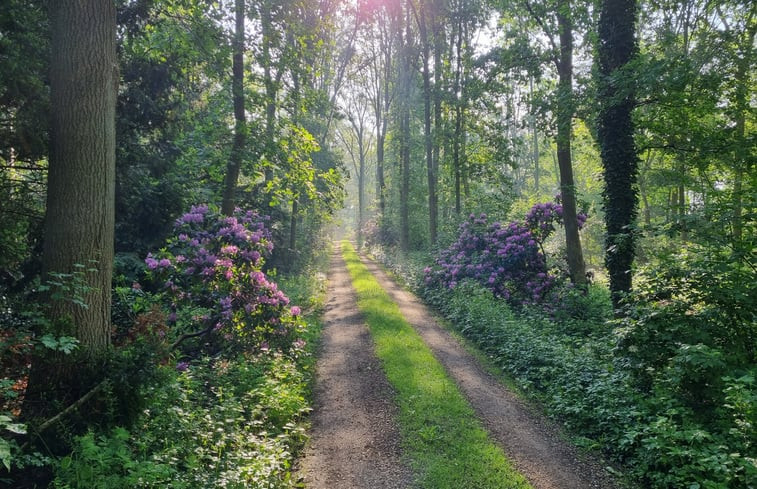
[{"x": 616, "y": 48}]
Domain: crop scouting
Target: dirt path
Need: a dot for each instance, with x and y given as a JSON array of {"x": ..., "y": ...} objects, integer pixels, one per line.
[
  {"x": 532, "y": 443},
  {"x": 354, "y": 439}
]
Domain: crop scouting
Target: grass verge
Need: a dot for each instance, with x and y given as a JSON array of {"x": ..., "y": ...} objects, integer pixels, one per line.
[{"x": 447, "y": 446}]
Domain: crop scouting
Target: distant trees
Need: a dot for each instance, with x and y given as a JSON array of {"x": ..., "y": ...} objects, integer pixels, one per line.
[
  {"x": 357, "y": 141},
  {"x": 460, "y": 123}
]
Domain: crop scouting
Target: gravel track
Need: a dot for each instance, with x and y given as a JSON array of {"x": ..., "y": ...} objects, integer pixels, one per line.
[
  {"x": 532, "y": 443},
  {"x": 355, "y": 443}
]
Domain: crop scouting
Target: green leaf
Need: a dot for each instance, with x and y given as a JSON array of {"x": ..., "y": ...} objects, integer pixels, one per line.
[
  {"x": 18, "y": 428},
  {"x": 5, "y": 454},
  {"x": 67, "y": 344},
  {"x": 49, "y": 341}
]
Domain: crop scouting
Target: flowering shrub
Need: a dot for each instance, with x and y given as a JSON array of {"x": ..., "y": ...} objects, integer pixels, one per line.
[
  {"x": 506, "y": 259},
  {"x": 541, "y": 219},
  {"x": 211, "y": 274}
]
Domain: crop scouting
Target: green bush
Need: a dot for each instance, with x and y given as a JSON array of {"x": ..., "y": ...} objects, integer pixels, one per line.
[
  {"x": 669, "y": 391},
  {"x": 212, "y": 422},
  {"x": 659, "y": 436},
  {"x": 219, "y": 423}
]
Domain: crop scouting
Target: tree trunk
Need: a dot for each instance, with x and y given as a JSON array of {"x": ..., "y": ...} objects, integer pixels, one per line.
[
  {"x": 293, "y": 231},
  {"x": 383, "y": 105},
  {"x": 575, "y": 257},
  {"x": 79, "y": 224},
  {"x": 616, "y": 48},
  {"x": 456, "y": 152},
  {"x": 380, "y": 184},
  {"x": 428, "y": 141},
  {"x": 81, "y": 178},
  {"x": 742, "y": 163},
  {"x": 240, "y": 121},
  {"x": 438, "y": 33},
  {"x": 404, "y": 80},
  {"x": 535, "y": 138},
  {"x": 682, "y": 207},
  {"x": 361, "y": 188},
  {"x": 271, "y": 87}
]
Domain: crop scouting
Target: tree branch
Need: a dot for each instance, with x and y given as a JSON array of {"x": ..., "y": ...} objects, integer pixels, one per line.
[
  {"x": 186, "y": 336},
  {"x": 86, "y": 397},
  {"x": 21, "y": 167}
]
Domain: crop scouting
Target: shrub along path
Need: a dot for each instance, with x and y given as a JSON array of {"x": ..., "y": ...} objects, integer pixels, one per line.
[{"x": 355, "y": 440}]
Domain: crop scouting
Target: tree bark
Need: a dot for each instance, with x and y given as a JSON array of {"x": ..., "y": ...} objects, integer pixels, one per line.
[
  {"x": 79, "y": 224},
  {"x": 271, "y": 87},
  {"x": 565, "y": 111},
  {"x": 382, "y": 107},
  {"x": 438, "y": 34},
  {"x": 240, "y": 121},
  {"x": 433, "y": 207},
  {"x": 616, "y": 48},
  {"x": 742, "y": 162},
  {"x": 293, "y": 231},
  {"x": 361, "y": 187},
  {"x": 535, "y": 141},
  {"x": 456, "y": 151},
  {"x": 404, "y": 114}
]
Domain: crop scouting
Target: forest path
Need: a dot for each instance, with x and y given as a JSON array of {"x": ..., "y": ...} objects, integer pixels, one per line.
[
  {"x": 532, "y": 443},
  {"x": 355, "y": 443}
]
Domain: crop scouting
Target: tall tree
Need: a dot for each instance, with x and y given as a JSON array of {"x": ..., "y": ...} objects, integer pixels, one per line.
[
  {"x": 357, "y": 140},
  {"x": 240, "y": 120},
  {"x": 742, "y": 37},
  {"x": 382, "y": 90},
  {"x": 616, "y": 49},
  {"x": 422, "y": 13},
  {"x": 460, "y": 94},
  {"x": 562, "y": 57},
  {"x": 81, "y": 184},
  {"x": 565, "y": 111},
  {"x": 404, "y": 102}
]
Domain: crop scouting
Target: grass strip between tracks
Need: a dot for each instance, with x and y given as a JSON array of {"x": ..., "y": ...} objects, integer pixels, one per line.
[{"x": 444, "y": 441}]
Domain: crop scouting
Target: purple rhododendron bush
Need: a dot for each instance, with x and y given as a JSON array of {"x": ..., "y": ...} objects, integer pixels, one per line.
[
  {"x": 507, "y": 259},
  {"x": 213, "y": 283},
  {"x": 230, "y": 412}
]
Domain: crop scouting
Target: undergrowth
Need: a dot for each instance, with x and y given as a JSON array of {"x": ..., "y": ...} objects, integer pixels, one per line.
[
  {"x": 215, "y": 422},
  {"x": 573, "y": 361}
]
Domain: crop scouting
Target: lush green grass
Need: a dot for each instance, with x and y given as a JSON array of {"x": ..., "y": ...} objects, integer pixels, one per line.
[{"x": 446, "y": 445}]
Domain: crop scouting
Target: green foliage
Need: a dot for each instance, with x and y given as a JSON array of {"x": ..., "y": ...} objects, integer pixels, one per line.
[
  {"x": 690, "y": 320},
  {"x": 65, "y": 344},
  {"x": 69, "y": 287},
  {"x": 168, "y": 54},
  {"x": 695, "y": 427},
  {"x": 219, "y": 423},
  {"x": 8, "y": 424},
  {"x": 213, "y": 422}
]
